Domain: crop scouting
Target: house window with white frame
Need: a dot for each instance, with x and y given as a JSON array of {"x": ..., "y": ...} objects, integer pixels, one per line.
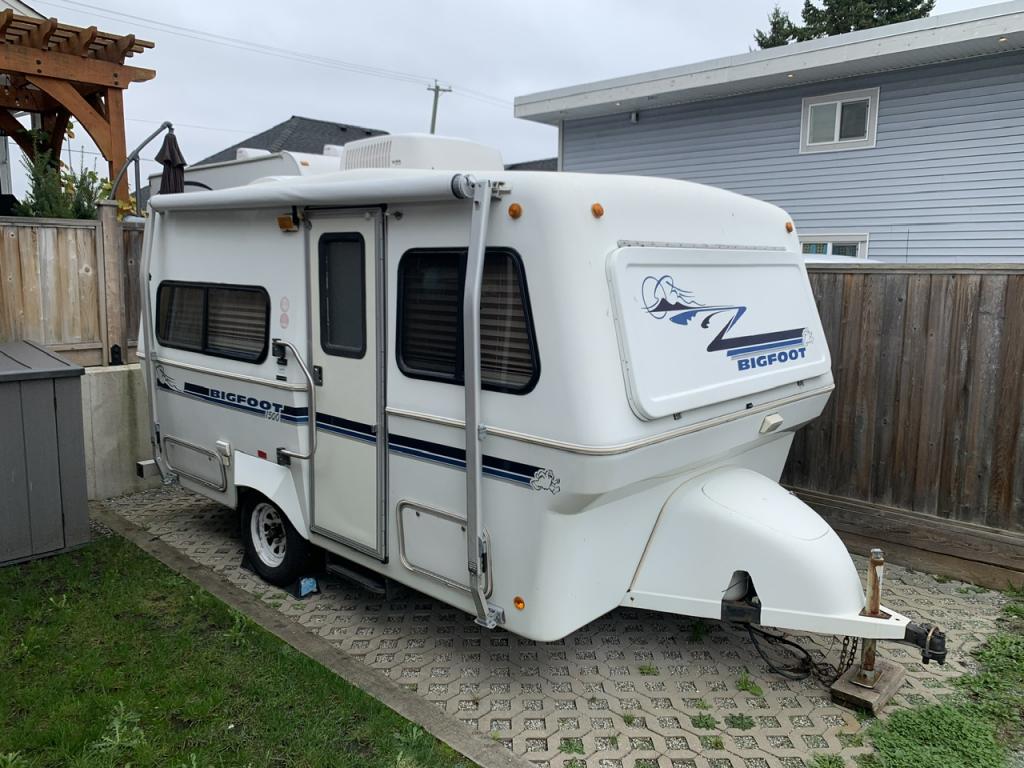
[
  {"x": 853, "y": 246},
  {"x": 839, "y": 121}
]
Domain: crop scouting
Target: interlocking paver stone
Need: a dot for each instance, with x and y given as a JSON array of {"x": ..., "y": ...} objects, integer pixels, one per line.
[{"x": 623, "y": 689}]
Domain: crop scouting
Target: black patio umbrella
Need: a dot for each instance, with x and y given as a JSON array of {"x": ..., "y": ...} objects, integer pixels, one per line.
[{"x": 172, "y": 180}]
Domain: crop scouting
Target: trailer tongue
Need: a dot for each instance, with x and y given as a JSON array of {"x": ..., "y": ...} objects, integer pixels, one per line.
[{"x": 780, "y": 563}]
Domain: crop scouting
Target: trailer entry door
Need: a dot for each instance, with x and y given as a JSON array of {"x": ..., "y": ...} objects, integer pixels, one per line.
[{"x": 348, "y": 468}]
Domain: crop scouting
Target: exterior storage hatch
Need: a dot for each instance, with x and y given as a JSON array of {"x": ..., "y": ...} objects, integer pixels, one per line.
[{"x": 701, "y": 326}]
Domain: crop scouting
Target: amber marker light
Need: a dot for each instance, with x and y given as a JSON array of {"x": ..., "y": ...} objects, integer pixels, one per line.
[
  {"x": 515, "y": 211},
  {"x": 789, "y": 226},
  {"x": 287, "y": 223},
  {"x": 598, "y": 210},
  {"x": 519, "y": 603}
]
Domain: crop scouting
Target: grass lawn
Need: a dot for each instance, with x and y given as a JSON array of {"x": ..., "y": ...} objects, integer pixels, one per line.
[
  {"x": 979, "y": 727},
  {"x": 108, "y": 658}
]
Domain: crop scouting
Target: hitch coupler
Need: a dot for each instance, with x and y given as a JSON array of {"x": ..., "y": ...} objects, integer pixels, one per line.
[{"x": 930, "y": 639}]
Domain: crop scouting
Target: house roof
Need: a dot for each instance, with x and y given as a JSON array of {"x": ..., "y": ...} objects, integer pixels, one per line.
[
  {"x": 983, "y": 31},
  {"x": 297, "y": 134},
  {"x": 547, "y": 164},
  {"x": 20, "y": 8}
]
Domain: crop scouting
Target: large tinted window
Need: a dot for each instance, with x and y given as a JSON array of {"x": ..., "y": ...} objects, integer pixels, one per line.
[
  {"x": 219, "y": 320},
  {"x": 430, "y": 319},
  {"x": 343, "y": 294}
]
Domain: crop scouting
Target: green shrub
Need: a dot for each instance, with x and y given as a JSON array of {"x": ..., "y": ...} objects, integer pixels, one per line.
[{"x": 55, "y": 192}]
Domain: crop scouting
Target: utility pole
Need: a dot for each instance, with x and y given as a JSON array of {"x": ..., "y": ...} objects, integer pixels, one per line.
[{"x": 438, "y": 90}]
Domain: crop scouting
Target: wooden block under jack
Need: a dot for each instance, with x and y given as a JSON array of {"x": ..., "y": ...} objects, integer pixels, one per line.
[{"x": 848, "y": 694}]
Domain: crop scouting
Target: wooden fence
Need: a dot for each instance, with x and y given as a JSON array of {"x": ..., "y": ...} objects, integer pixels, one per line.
[
  {"x": 922, "y": 443},
  {"x": 71, "y": 285},
  {"x": 921, "y": 446}
]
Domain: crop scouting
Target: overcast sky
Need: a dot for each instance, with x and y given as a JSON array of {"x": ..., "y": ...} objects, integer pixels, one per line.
[{"x": 218, "y": 93}]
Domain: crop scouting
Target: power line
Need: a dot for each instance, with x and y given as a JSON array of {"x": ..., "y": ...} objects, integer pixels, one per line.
[
  {"x": 282, "y": 53},
  {"x": 192, "y": 125}
]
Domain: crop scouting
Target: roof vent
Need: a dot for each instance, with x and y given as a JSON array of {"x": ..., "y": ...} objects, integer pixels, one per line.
[{"x": 421, "y": 151}]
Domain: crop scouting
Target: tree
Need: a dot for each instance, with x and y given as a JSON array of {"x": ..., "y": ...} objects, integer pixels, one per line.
[
  {"x": 835, "y": 17},
  {"x": 781, "y": 31}
]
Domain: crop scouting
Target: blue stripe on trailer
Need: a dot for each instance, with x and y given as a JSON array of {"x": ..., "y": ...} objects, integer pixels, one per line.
[
  {"x": 765, "y": 347},
  {"x": 448, "y": 455}
]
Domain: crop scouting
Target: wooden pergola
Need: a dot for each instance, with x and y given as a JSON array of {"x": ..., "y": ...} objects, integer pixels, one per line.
[{"x": 62, "y": 72}]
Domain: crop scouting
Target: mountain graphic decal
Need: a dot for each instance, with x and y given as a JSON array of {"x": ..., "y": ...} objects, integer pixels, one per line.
[{"x": 663, "y": 299}]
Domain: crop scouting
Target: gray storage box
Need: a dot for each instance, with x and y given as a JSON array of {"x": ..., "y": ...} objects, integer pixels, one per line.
[{"x": 43, "y": 508}]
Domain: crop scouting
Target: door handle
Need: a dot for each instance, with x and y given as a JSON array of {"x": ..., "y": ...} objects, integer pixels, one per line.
[{"x": 285, "y": 455}]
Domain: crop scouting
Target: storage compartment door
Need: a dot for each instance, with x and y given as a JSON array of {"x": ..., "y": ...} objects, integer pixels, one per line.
[{"x": 701, "y": 326}]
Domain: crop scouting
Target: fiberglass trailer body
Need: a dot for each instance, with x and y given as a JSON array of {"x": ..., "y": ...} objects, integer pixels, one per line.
[{"x": 535, "y": 396}]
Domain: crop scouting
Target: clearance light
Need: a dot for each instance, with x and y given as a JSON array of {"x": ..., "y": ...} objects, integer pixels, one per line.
[
  {"x": 515, "y": 211},
  {"x": 519, "y": 603},
  {"x": 789, "y": 226},
  {"x": 1003, "y": 39},
  {"x": 287, "y": 222},
  {"x": 598, "y": 210}
]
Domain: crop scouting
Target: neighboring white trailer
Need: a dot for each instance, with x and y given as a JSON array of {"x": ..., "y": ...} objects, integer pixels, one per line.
[
  {"x": 535, "y": 396},
  {"x": 251, "y": 165}
]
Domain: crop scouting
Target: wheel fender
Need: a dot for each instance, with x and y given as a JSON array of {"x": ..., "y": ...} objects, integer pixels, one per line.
[{"x": 275, "y": 482}]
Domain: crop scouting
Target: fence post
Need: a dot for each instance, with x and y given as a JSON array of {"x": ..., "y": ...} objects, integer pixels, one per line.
[{"x": 111, "y": 246}]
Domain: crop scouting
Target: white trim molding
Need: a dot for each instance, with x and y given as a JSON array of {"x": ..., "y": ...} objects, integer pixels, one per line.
[{"x": 981, "y": 31}]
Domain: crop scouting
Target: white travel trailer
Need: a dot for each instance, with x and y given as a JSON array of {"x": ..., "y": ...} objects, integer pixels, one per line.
[{"x": 535, "y": 396}]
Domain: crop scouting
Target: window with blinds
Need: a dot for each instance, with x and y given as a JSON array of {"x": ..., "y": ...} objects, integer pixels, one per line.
[
  {"x": 430, "y": 343},
  {"x": 220, "y": 320}
]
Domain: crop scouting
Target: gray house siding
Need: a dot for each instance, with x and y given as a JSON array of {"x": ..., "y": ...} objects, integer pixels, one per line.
[{"x": 944, "y": 183}]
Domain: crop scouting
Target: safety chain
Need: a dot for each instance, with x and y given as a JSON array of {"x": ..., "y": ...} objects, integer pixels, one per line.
[
  {"x": 826, "y": 674},
  {"x": 822, "y": 671}
]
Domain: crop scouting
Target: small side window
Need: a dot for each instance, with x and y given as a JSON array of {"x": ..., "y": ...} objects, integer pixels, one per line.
[
  {"x": 219, "y": 320},
  {"x": 343, "y": 294},
  {"x": 839, "y": 121},
  {"x": 852, "y": 246}
]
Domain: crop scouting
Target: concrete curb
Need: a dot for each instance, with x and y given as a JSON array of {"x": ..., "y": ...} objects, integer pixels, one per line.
[{"x": 470, "y": 744}]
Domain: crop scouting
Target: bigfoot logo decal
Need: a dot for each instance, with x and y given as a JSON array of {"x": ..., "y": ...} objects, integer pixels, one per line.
[{"x": 662, "y": 299}]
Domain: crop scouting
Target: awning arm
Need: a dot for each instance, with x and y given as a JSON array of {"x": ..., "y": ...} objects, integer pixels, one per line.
[{"x": 483, "y": 190}]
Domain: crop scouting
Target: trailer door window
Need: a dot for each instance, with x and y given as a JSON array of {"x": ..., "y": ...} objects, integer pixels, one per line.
[
  {"x": 430, "y": 290},
  {"x": 219, "y": 320},
  {"x": 343, "y": 294}
]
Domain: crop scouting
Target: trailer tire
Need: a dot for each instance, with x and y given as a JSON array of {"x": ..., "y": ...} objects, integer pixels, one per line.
[{"x": 276, "y": 551}]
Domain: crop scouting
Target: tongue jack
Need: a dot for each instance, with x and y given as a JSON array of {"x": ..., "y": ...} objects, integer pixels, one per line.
[{"x": 870, "y": 684}]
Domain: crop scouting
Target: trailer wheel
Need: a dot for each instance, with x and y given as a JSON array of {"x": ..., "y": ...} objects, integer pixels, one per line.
[{"x": 274, "y": 548}]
